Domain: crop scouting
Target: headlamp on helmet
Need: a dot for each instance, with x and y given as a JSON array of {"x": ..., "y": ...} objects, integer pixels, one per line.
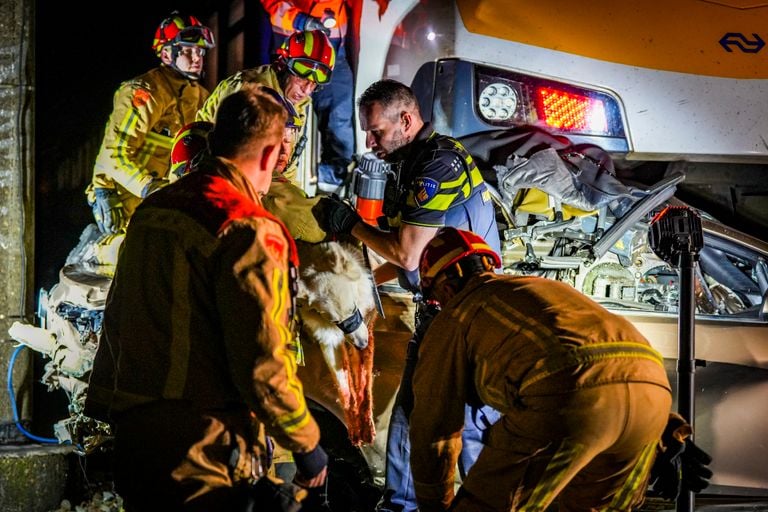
[
  {"x": 447, "y": 249},
  {"x": 308, "y": 55}
]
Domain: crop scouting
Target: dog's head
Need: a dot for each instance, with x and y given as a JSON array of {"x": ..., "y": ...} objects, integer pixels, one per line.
[{"x": 335, "y": 292}]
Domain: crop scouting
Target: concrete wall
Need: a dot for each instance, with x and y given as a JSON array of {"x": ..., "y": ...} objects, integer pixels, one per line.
[
  {"x": 16, "y": 192},
  {"x": 32, "y": 477}
]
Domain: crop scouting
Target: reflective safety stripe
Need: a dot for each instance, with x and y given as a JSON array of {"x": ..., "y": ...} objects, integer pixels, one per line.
[
  {"x": 553, "y": 475},
  {"x": 589, "y": 354},
  {"x": 440, "y": 202},
  {"x": 298, "y": 419},
  {"x": 624, "y": 497},
  {"x": 160, "y": 140},
  {"x": 127, "y": 126},
  {"x": 475, "y": 176},
  {"x": 295, "y": 420}
]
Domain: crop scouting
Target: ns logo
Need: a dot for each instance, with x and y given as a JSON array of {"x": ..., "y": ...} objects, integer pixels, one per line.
[{"x": 741, "y": 42}]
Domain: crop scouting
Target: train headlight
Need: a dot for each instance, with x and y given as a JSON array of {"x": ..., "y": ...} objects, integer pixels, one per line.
[{"x": 497, "y": 102}]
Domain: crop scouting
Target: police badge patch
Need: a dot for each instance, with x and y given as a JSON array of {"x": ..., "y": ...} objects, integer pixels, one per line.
[{"x": 426, "y": 189}]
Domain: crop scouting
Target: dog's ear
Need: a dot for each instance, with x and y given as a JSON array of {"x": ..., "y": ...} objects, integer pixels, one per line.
[
  {"x": 339, "y": 260},
  {"x": 346, "y": 262}
]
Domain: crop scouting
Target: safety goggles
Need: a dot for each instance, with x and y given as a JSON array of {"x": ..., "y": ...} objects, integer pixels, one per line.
[
  {"x": 190, "y": 51},
  {"x": 193, "y": 35},
  {"x": 309, "y": 69}
]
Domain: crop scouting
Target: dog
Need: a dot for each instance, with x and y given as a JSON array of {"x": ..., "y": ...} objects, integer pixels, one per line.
[{"x": 337, "y": 311}]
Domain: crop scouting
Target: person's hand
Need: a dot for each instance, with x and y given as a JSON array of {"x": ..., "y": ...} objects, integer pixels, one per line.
[
  {"x": 335, "y": 216},
  {"x": 311, "y": 468},
  {"x": 310, "y": 483},
  {"x": 153, "y": 186},
  {"x": 108, "y": 211},
  {"x": 696, "y": 474},
  {"x": 425, "y": 313},
  {"x": 680, "y": 464},
  {"x": 307, "y": 22},
  {"x": 315, "y": 24}
]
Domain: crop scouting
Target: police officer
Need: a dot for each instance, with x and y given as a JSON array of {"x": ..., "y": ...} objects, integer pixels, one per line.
[{"x": 438, "y": 184}]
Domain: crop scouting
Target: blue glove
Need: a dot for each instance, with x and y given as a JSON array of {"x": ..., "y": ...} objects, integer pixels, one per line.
[
  {"x": 108, "y": 211},
  {"x": 306, "y": 22}
]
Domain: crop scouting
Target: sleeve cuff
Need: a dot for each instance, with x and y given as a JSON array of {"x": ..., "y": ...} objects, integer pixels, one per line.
[{"x": 311, "y": 463}]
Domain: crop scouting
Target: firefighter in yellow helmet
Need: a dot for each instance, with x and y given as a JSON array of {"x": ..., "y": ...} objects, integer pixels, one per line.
[
  {"x": 304, "y": 62},
  {"x": 148, "y": 111},
  {"x": 584, "y": 397}
]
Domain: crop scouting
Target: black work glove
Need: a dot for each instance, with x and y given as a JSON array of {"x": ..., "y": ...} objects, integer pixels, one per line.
[
  {"x": 680, "y": 464},
  {"x": 425, "y": 313},
  {"x": 696, "y": 474},
  {"x": 335, "y": 216},
  {"x": 270, "y": 494},
  {"x": 666, "y": 473}
]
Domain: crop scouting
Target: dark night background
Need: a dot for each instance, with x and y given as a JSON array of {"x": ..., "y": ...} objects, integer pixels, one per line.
[{"x": 82, "y": 54}]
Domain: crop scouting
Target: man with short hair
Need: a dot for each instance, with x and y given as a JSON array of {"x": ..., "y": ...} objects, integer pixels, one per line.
[
  {"x": 193, "y": 367},
  {"x": 438, "y": 185}
]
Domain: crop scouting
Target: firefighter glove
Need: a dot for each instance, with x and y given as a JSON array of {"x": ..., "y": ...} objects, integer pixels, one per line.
[
  {"x": 153, "y": 186},
  {"x": 425, "y": 313},
  {"x": 271, "y": 494},
  {"x": 666, "y": 473},
  {"x": 680, "y": 464},
  {"x": 108, "y": 211},
  {"x": 311, "y": 467},
  {"x": 695, "y": 462},
  {"x": 335, "y": 216}
]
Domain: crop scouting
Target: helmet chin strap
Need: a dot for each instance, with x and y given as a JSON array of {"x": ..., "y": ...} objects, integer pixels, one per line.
[{"x": 175, "y": 49}]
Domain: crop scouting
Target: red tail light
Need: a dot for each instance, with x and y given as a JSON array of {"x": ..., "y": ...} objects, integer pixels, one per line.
[{"x": 567, "y": 111}]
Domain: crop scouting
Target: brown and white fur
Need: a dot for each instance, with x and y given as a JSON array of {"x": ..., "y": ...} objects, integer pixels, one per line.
[{"x": 333, "y": 282}]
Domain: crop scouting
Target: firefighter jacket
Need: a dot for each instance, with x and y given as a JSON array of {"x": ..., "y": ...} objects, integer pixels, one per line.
[
  {"x": 503, "y": 338},
  {"x": 200, "y": 312},
  {"x": 148, "y": 111},
  {"x": 266, "y": 75},
  {"x": 288, "y": 17},
  {"x": 290, "y": 204}
]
